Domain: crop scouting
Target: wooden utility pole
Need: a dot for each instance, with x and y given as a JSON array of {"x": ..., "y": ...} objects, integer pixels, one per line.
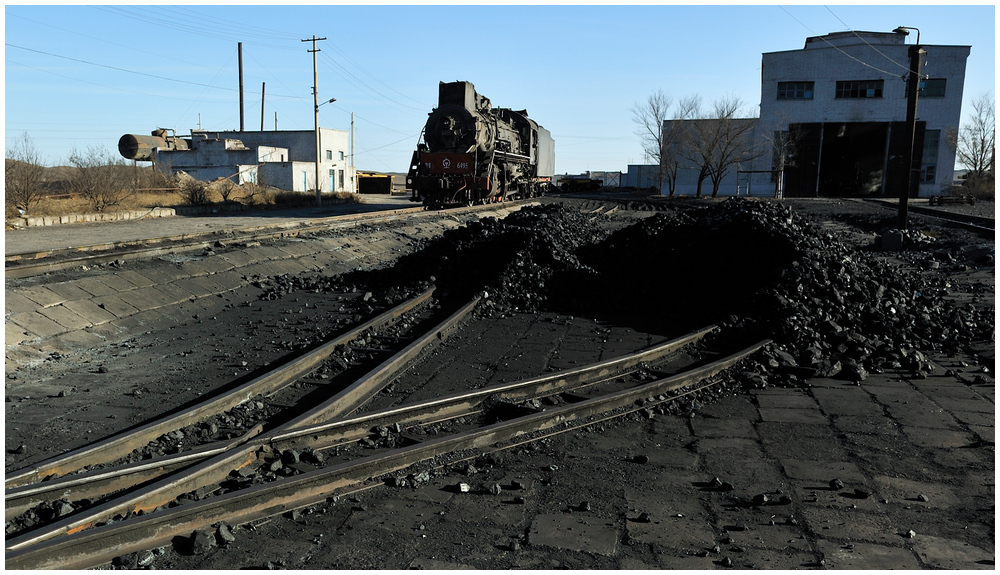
[
  {"x": 314, "y": 39},
  {"x": 262, "y": 86}
]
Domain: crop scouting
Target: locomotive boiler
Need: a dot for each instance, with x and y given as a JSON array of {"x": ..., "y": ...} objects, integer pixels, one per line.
[{"x": 472, "y": 153}]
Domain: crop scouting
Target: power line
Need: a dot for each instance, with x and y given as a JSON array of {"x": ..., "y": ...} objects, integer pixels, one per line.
[
  {"x": 866, "y": 41},
  {"x": 131, "y": 48},
  {"x": 184, "y": 26},
  {"x": 356, "y": 81},
  {"x": 126, "y": 70},
  {"x": 858, "y": 60},
  {"x": 115, "y": 88},
  {"x": 423, "y": 105}
]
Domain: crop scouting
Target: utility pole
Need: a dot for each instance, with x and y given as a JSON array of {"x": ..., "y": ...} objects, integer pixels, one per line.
[
  {"x": 352, "y": 154},
  {"x": 263, "y": 85},
  {"x": 912, "y": 88},
  {"x": 239, "y": 48},
  {"x": 314, "y": 39}
]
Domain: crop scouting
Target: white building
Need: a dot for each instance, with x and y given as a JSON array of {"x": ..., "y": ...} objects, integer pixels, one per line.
[
  {"x": 833, "y": 121},
  {"x": 283, "y": 159},
  {"x": 840, "y": 104}
]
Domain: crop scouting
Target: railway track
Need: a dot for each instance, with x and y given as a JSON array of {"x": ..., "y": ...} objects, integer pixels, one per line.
[
  {"x": 978, "y": 224},
  {"x": 137, "y": 505},
  {"x": 30, "y": 264}
]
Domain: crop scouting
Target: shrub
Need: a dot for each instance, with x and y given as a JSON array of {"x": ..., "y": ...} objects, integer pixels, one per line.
[
  {"x": 22, "y": 176},
  {"x": 105, "y": 181},
  {"x": 194, "y": 192}
]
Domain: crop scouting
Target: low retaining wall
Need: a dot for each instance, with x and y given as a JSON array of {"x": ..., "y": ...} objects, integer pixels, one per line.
[{"x": 31, "y": 221}]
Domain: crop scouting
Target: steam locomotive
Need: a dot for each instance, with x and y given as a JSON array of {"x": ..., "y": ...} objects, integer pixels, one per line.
[{"x": 472, "y": 153}]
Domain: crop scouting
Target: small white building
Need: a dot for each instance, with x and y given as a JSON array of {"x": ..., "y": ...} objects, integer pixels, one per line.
[
  {"x": 839, "y": 103},
  {"x": 283, "y": 159}
]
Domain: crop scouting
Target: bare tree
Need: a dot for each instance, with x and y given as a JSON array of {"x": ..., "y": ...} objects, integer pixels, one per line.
[
  {"x": 100, "y": 177},
  {"x": 23, "y": 173},
  {"x": 718, "y": 143},
  {"x": 649, "y": 117},
  {"x": 675, "y": 137},
  {"x": 976, "y": 140}
]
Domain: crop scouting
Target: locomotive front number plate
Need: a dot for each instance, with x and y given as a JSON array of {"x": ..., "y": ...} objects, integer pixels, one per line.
[{"x": 447, "y": 163}]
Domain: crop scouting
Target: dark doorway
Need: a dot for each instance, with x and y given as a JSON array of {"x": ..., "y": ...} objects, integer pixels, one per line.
[
  {"x": 853, "y": 159},
  {"x": 848, "y": 159}
]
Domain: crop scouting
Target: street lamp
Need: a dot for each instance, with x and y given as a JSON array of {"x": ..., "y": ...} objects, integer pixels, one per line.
[
  {"x": 912, "y": 87},
  {"x": 903, "y": 30},
  {"x": 316, "y": 105}
]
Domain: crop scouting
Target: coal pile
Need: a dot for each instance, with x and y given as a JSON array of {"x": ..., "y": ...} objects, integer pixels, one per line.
[
  {"x": 510, "y": 259},
  {"x": 833, "y": 308}
]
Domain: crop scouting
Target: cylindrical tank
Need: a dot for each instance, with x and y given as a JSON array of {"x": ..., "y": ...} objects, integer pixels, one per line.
[{"x": 143, "y": 148}]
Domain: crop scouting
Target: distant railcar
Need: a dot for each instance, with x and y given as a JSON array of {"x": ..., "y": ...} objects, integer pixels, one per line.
[
  {"x": 472, "y": 153},
  {"x": 374, "y": 183}
]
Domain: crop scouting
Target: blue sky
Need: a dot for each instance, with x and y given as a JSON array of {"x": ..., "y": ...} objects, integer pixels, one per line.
[{"x": 81, "y": 76}]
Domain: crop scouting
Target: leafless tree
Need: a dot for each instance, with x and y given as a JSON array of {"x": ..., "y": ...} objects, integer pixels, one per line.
[
  {"x": 675, "y": 138},
  {"x": 784, "y": 147},
  {"x": 100, "y": 177},
  {"x": 718, "y": 143},
  {"x": 23, "y": 173},
  {"x": 227, "y": 189},
  {"x": 976, "y": 140},
  {"x": 649, "y": 117}
]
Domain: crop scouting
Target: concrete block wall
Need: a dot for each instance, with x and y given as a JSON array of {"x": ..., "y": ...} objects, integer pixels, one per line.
[{"x": 31, "y": 221}]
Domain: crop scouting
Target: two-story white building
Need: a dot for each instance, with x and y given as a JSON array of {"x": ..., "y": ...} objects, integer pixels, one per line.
[
  {"x": 837, "y": 107},
  {"x": 833, "y": 120}
]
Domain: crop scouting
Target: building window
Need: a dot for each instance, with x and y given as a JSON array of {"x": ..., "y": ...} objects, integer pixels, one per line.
[
  {"x": 859, "y": 89},
  {"x": 329, "y": 154},
  {"x": 332, "y": 181},
  {"x": 932, "y": 88},
  {"x": 928, "y": 160},
  {"x": 795, "y": 90},
  {"x": 341, "y": 179},
  {"x": 341, "y": 156}
]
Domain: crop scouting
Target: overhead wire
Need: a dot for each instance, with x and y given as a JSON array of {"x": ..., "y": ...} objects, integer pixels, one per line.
[
  {"x": 126, "y": 70},
  {"x": 184, "y": 26},
  {"x": 832, "y": 45},
  {"x": 115, "y": 88},
  {"x": 131, "y": 48},
  {"x": 254, "y": 31},
  {"x": 201, "y": 97},
  {"x": 358, "y": 81},
  {"x": 423, "y": 105},
  {"x": 866, "y": 41}
]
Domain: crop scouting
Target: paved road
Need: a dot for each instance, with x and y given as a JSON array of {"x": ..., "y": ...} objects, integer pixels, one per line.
[{"x": 41, "y": 238}]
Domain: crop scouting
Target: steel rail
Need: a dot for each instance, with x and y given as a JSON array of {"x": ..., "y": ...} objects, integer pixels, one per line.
[
  {"x": 463, "y": 404},
  {"x": 95, "y": 546},
  {"x": 968, "y": 221},
  {"x": 104, "y": 482},
  {"x": 292, "y": 435},
  {"x": 122, "y": 444},
  {"x": 215, "y": 469}
]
